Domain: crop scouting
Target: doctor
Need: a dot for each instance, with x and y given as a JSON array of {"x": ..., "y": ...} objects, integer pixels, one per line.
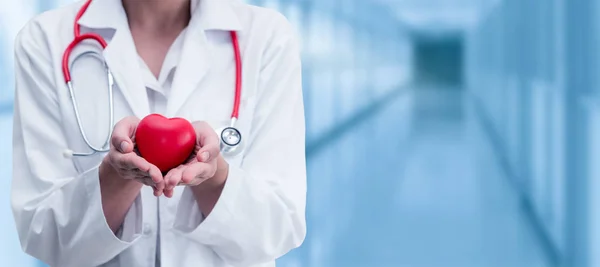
[{"x": 175, "y": 58}]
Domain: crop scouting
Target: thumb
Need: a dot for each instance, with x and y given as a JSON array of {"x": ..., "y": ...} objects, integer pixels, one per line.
[
  {"x": 208, "y": 141},
  {"x": 123, "y": 133}
]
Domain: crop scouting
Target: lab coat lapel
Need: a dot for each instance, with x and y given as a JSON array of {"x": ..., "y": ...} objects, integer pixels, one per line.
[
  {"x": 120, "y": 55},
  {"x": 193, "y": 66},
  {"x": 197, "y": 57}
]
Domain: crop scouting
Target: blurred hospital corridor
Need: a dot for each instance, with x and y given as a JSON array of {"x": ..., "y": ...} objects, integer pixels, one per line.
[
  {"x": 439, "y": 133},
  {"x": 417, "y": 184}
]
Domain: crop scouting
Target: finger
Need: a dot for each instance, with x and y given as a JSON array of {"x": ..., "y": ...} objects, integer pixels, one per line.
[
  {"x": 157, "y": 193},
  {"x": 123, "y": 133},
  {"x": 198, "y": 170},
  {"x": 169, "y": 193},
  {"x": 148, "y": 182},
  {"x": 208, "y": 142},
  {"x": 132, "y": 161},
  {"x": 158, "y": 180},
  {"x": 173, "y": 178},
  {"x": 144, "y": 181}
]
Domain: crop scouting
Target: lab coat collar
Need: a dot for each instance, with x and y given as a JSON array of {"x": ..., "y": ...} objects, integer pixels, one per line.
[
  {"x": 217, "y": 15},
  {"x": 102, "y": 14},
  {"x": 121, "y": 55},
  {"x": 197, "y": 55},
  {"x": 211, "y": 15}
]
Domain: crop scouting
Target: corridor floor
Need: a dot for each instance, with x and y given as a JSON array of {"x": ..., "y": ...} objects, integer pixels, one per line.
[{"x": 415, "y": 185}]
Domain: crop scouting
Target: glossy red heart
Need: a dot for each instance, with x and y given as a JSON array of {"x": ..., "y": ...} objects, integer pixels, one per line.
[{"x": 166, "y": 143}]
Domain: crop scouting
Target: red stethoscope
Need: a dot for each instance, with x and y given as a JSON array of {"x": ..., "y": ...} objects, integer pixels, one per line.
[{"x": 230, "y": 136}]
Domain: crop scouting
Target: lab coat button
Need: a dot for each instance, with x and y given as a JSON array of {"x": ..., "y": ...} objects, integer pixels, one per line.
[{"x": 147, "y": 229}]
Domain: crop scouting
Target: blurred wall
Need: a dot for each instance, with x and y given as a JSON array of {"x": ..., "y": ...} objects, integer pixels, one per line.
[{"x": 531, "y": 68}]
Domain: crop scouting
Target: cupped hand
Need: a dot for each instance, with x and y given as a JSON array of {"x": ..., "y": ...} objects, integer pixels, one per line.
[
  {"x": 201, "y": 166},
  {"x": 126, "y": 162}
]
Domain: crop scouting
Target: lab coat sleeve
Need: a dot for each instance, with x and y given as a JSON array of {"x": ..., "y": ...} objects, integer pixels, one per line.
[
  {"x": 58, "y": 211},
  {"x": 260, "y": 215}
]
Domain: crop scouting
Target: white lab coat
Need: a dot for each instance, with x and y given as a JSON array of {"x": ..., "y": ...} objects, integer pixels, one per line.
[{"x": 260, "y": 215}]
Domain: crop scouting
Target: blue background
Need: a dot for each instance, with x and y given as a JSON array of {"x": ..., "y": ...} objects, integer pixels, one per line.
[{"x": 439, "y": 133}]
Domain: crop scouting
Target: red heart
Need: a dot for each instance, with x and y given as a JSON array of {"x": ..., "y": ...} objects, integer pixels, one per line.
[{"x": 166, "y": 143}]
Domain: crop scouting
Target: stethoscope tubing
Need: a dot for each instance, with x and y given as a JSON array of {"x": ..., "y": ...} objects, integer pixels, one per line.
[{"x": 111, "y": 120}]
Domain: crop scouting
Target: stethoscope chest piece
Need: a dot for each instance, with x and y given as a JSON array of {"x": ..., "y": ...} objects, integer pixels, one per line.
[{"x": 231, "y": 141}]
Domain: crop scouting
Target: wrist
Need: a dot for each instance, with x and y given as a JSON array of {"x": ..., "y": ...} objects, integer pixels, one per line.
[
  {"x": 117, "y": 195},
  {"x": 217, "y": 182},
  {"x": 208, "y": 193}
]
